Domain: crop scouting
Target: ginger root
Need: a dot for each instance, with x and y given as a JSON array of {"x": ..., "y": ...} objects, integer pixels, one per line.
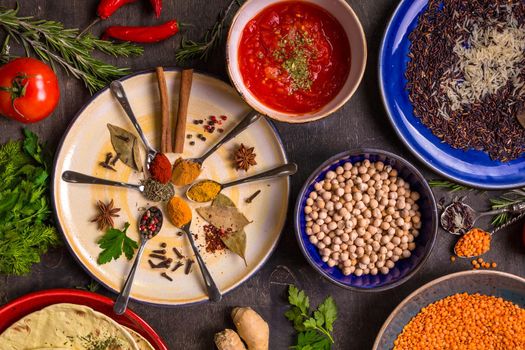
[
  {"x": 252, "y": 328},
  {"x": 228, "y": 340}
]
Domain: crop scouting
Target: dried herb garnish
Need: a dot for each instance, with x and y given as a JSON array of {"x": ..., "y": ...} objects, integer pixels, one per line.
[
  {"x": 106, "y": 213},
  {"x": 156, "y": 191},
  {"x": 457, "y": 218},
  {"x": 126, "y": 146},
  {"x": 506, "y": 200},
  {"x": 245, "y": 157}
]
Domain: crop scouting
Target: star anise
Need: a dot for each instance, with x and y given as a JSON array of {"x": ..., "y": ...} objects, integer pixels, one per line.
[
  {"x": 105, "y": 216},
  {"x": 245, "y": 157}
]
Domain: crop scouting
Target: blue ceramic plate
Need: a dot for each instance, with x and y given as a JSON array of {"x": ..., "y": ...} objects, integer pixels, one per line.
[
  {"x": 499, "y": 284},
  {"x": 404, "y": 268},
  {"x": 472, "y": 168}
]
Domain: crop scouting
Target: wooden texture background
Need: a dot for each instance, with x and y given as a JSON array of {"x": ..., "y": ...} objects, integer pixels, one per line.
[{"x": 361, "y": 123}]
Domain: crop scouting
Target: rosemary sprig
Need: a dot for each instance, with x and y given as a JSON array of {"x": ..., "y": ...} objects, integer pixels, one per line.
[
  {"x": 447, "y": 185},
  {"x": 190, "y": 49},
  {"x": 506, "y": 200},
  {"x": 53, "y": 43}
]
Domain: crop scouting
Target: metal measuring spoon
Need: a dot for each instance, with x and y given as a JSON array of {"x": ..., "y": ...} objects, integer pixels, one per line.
[
  {"x": 468, "y": 211},
  {"x": 248, "y": 120},
  {"x": 283, "y": 170},
  {"x": 500, "y": 227},
  {"x": 79, "y": 178},
  {"x": 118, "y": 92},
  {"x": 214, "y": 294},
  {"x": 147, "y": 219}
]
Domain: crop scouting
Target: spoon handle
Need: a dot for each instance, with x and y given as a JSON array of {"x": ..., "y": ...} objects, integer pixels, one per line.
[
  {"x": 213, "y": 291},
  {"x": 283, "y": 170},
  {"x": 118, "y": 92},
  {"x": 121, "y": 303},
  {"x": 515, "y": 208},
  {"x": 508, "y": 223},
  {"x": 248, "y": 120},
  {"x": 79, "y": 178}
]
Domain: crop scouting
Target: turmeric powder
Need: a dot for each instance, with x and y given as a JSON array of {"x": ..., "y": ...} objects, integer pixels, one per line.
[
  {"x": 185, "y": 172},
  {"x": 204, "y": 191},
  {"x": 179, "y": 212}
]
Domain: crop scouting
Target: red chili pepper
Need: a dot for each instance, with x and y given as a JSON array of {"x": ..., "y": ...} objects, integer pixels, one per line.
[
  {"x": 157, "y": 7},
  {"x": 150, "y": 34},
  {"x": 107, "y": 7}
]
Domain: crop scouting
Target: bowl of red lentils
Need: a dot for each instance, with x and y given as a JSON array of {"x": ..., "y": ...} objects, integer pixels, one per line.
[
  {"x": 366, "y": 220},
  {"x": 464, "y": 310}
]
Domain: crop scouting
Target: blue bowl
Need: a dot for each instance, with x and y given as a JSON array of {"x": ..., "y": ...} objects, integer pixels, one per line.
[
  {"x": 472, "y": 168},
  {"x": 495, "y": 283},
  {"x": 404, "y": 268}
]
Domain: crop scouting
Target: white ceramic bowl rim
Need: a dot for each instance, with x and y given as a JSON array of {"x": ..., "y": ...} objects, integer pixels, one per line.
[{"x": 358, "y": 48}]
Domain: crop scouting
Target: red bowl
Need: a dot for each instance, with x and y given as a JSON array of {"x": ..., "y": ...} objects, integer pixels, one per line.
[{"x": 23, "y": 306}]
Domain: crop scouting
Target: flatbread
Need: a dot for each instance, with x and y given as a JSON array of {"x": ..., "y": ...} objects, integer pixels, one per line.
[
  {"x": 66, "y": 326},
  {"x": 141, "y": 342}
]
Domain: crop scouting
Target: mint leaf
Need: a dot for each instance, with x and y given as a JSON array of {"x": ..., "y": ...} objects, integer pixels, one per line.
[{"x": 113, "y": 243}]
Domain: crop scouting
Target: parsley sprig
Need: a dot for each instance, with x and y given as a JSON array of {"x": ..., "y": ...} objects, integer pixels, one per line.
[
  {"x": 114, "y": 243},
  {"x": 315, "y": 329}
]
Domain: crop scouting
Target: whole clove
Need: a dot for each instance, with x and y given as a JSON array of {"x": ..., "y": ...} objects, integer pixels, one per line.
[
  {"x": 165, "y": 275},
  {"x": 160, "y": 251},
  {"x": 178, "y": 253},
  {"x": 163, "y": 245},
  {"x": 177, "y": 266},
  {"x": 158, "y": 256},
  {"x": 189, "y": 264},
  {"x": 253, "y": 196},
  {"x": 115, "y": 159}
]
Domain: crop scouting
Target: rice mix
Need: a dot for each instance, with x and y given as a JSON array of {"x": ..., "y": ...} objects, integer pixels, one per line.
[
  {"x": 466, "y": 74},
  {"x": 465, "y": 321}
]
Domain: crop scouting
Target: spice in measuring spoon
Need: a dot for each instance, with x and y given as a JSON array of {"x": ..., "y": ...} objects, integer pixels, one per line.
[
  {"x": 185, "y": 171},
  {"x": 204, "y": 191},
  {"x": 156, "y": 191},
  {"x": 179, "y": 212},
  {"x": 457, "y": 218},
  {"x": 150, "y": 223},
  {"x": 160, "y": 168}
]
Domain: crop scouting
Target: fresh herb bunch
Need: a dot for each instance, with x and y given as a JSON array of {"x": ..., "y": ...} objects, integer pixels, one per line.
[
  {"x": 25, "y": 230},
  {"x": 114, "y": 243},
  {"x": 190, "y": 49},
  {"x": 53, "y": 43},
  {"x": 506, "y": 200},
  {"x": 314, "y": 329}
]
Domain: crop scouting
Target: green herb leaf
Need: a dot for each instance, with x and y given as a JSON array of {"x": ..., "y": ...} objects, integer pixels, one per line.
[
  {"x": 113, "y": 243},
  {"x": 299, "y": 299},
  {"x": 328, "y": 310}
]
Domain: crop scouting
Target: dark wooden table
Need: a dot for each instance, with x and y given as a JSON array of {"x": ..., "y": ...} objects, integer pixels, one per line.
[{"x": 361, "y": 123}]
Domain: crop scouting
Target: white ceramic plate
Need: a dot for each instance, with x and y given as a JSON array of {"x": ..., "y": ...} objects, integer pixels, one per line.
[{"x": 87, "y": 141}]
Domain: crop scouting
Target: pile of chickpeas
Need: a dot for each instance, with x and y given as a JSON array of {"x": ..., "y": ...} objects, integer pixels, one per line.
[{"x": 363, "y": 218}]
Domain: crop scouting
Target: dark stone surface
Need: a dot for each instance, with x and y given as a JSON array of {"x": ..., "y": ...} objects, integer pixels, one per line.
[{"x": 361, "y": 123}]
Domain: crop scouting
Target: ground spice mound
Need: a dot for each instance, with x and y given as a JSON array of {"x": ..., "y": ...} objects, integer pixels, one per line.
[
  {"x": 466, "y": 72},
  {"x": 465, "y": 321}
]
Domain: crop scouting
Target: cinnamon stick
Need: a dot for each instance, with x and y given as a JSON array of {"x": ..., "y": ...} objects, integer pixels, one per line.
[
  {"x": 165, "y": 136},
  {"x": 182, "y": 113}
]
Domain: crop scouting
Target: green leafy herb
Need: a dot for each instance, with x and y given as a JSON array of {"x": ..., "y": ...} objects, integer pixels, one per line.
[
  {"x": 506, "y": 200},
  {"x": 53, "y": 43},
  {"x": 25, "y": 230},
  {"x": 448, "y": 185},
  {"x": 114, "y": 243},
  {"x": 190, "y": 49},
  {"x": 314, "y": 328},
  {"x": 92, "y": 286}
]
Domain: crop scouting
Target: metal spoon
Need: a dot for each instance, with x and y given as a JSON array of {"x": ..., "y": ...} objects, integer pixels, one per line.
[
  {"x": 513, "y": 209},
  {"x": 501, "y": 227},
  {"x": 121, "y": 303},
  {"x": 79, "y": 178},
  {"x": 118, "y": 92},
  {"x": 213, "y": 291},
  {"x": 248, "y": 120},
  {"x": 283, "y": 170}
]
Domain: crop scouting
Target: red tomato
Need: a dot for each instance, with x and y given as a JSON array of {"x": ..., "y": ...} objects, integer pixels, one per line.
[{"x": 29, "y": 90}]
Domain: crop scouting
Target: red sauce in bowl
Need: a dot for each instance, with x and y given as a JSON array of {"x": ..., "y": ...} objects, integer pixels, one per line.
[{"x": 294, "y": 57}]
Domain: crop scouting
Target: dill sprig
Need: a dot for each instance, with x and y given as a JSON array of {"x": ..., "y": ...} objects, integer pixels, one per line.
[
  {"x": 53, "y": 43},
  {"x": 507, "y": 199},
  {"x": 190, "y": 49},
  {"x": 448, "y": 185}
]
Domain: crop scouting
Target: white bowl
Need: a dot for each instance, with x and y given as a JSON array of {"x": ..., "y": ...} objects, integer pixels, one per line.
[{"x": 356, "y": 37}]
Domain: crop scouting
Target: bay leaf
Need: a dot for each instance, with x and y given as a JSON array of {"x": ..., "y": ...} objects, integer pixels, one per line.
[
  {"x": 137, "y": 156},
  {"x": 123, "y": 141},
  {"x": 236, "y": 242},
  {"x": 227, "y": 218},
  {"x": 222, "y": 201}
]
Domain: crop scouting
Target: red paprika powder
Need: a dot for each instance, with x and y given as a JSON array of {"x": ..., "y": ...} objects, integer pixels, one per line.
[{"x": 160, "y": 168}]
